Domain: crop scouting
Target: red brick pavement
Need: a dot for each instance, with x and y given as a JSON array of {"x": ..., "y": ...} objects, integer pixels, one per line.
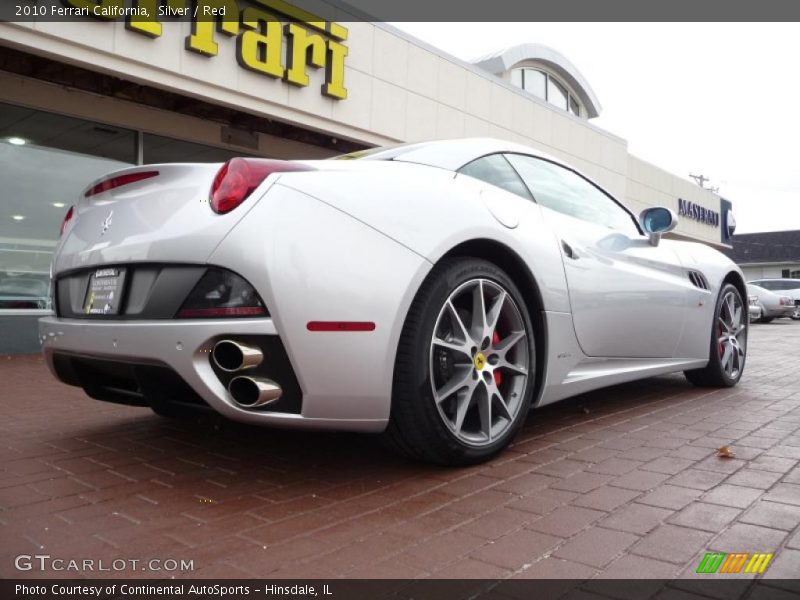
[{"x": 622, "y": 482}]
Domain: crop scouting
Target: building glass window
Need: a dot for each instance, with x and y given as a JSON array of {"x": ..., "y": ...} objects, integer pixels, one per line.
[
  {"x": 545, "y": 86},
  {"x": 46, "y": 161},
  {"x": 160, "y": 149},
  {"x": 535, "y": 83},
  {"x": 557, "y": 94},
  {"x": 517, "y": 78},
  {"x": 574, "y": 107}
]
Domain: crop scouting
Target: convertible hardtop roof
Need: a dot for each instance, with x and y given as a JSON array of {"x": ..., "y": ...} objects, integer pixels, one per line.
[{"x": 446, "y": 154}]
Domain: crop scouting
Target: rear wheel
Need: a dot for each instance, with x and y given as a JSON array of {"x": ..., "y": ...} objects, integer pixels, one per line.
[
  {"x": 728, "y": 342},
  {"x": 465, "y": 366},
  {"x": 796, "y": 314}
]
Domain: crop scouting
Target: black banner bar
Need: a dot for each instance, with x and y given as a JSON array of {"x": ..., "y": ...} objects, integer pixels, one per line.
[{"x": 413, "y": 10}]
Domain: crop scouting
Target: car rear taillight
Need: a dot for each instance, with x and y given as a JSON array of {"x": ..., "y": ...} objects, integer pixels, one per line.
[
  {"x": 222, "y": 293},
  {"x": 118, "y": 181},
  {"x": 239, "y": 177},
  {"x": 67, "y": 219}
]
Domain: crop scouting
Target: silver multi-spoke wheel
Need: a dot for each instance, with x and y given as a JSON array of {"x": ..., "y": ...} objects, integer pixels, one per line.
[
  {"x": 728, "y": 341},
  {"x": 479, "y": 360},
  {"x": 465, "y": 367},
  {"x": 732, "y": 334}
]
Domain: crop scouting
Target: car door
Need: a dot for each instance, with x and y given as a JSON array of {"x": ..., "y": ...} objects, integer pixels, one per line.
[{"x": 628, "y": 297}]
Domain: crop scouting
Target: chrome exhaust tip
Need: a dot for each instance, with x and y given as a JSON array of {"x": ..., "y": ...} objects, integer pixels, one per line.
[
  {"x": 253, "y": 392},
  {"x": 233, "y": 356}
]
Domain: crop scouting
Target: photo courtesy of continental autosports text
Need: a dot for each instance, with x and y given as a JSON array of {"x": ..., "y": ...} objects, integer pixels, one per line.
[
  {"x": 213, "y": 590},
  {"x": 349, "y": 299}
]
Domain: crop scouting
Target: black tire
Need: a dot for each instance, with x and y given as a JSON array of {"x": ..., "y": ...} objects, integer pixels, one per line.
[
  {"x": 417, "y": 428},
  {"x": 766, "y": 319},
  {"x": 714, "y": 374}
]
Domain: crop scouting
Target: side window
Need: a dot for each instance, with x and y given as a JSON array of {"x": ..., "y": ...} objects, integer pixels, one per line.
[
  {"x": 495, "y": 169},
  {"x": 567, "y": 192}
]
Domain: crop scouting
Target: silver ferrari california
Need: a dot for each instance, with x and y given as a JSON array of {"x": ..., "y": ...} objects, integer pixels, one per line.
[{"x": 434, "y": 292}]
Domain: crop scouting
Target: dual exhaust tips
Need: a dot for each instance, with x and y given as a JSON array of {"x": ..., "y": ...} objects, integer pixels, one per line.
[{"x": 247, "y": 392}]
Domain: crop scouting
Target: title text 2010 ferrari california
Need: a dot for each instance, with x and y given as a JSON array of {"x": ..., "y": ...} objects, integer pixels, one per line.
[{"x": 433, "y": 292}]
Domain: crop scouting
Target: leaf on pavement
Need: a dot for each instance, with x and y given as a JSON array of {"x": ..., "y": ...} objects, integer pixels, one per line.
[{"x": 725, "y": 452}]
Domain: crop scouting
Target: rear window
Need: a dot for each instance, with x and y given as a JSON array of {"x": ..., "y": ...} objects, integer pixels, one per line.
[{"x": 496, "y": 170}]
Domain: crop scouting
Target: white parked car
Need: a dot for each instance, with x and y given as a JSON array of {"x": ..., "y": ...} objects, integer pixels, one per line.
[
  {"x": 771, "y": 305},
  {"x": 783, "y": 287},
  {"x": 433, "y": 292}
]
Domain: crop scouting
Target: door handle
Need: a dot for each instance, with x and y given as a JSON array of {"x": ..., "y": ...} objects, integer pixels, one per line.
[{"x": 569, "y": 250}]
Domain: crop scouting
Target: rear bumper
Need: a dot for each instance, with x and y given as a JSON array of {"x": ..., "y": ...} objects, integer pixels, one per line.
[{"x": 185, "y": 347}]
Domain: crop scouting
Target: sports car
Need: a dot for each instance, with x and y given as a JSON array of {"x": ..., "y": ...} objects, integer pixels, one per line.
[
  {"x": 432, "y": 292},
  {"x": 771, "y": 305}
]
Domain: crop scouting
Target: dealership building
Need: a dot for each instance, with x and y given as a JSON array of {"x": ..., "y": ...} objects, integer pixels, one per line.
[
  {"x": 80, "y": 98},
  {"x": 767, "y": 255}
]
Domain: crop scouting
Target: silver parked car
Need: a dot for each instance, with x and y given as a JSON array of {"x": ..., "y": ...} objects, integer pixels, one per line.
[
  {"x": 771, "y": 305},
  {"x": 432, "y": 291},
  {"x": 785, "y": 287}
]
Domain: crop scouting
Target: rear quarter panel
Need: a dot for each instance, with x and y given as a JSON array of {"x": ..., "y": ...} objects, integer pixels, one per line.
[{"x": 431, "y": 211}]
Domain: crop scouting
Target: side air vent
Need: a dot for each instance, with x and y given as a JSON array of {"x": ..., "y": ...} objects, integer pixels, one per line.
[{"x": 698, "y": 280}]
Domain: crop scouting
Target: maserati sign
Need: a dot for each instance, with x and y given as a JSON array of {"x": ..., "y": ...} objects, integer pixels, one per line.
[{"x": 697, "y": 212}]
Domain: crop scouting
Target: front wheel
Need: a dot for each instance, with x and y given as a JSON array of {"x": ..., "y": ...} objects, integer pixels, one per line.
[
  {"x": 728, "y": 342},
  {"x": 465, "y": 366}
]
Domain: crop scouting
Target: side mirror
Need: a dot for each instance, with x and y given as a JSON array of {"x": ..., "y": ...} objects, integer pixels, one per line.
[{"x": 657, "y": 221}]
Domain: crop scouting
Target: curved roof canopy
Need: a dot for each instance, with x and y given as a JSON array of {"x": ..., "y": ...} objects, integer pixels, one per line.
[{"x": 505, "y": 60}]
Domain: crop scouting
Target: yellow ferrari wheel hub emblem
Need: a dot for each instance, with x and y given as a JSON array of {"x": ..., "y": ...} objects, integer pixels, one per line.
[{"x": 479, "y": 361}]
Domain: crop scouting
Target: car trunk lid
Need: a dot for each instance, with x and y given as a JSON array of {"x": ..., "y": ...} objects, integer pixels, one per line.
[{"x": 158, "y": 213}]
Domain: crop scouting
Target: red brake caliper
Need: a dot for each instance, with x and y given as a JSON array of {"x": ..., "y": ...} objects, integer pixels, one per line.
[{"x": 498, "y": 376}]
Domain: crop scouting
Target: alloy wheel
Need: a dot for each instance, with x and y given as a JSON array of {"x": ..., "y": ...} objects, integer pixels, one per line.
[
  {"x": 479, "y": 361},
  {"x": 732, "y": 335}
]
